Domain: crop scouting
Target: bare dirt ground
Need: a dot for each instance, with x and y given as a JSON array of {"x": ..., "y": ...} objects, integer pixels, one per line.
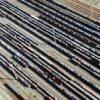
[{"x": 93, "y": 2}]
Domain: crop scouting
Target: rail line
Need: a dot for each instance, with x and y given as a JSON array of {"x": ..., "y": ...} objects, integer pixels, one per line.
[
  {"x": 79, "y": 49},
  {"x": 50, "y": 27}
]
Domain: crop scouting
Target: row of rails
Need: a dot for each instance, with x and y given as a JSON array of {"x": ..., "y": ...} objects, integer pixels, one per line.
[
  {"x": 54, "y": 16},
  {"x": 88, "y": 66},
  {"x": 81, "y": 43},
  {"x": 78, "y": 17},
  {"x": 23, "y": 77},
  {"x": 87, "y": 47},
  {"x": 47, "y": 72},
  {"x": 45, "y": 5},
  {"x": 78, "y": 36},
  {"x": 38, "y": 7},
  {"x": 47, "y": 75},
  {"x": 15, "y": 57},
  {"x": 84, "y": 65},
  {"x": 64, "y": 17},
  {"x": 63, "y": 27},
  {"x": 71, "y": 55}
]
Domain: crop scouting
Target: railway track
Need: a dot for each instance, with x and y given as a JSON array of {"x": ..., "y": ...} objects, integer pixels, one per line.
[
  {"x": 79, "y": 49},
  {"x": 39, "y": 72},
  {"x": 67, "y": 41},
  {"x": 22, "y": 77},
  {"x": 7, "y": 35},
  {"x": 57, "y": 16},
  {"x": 45, "y": 70}
]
